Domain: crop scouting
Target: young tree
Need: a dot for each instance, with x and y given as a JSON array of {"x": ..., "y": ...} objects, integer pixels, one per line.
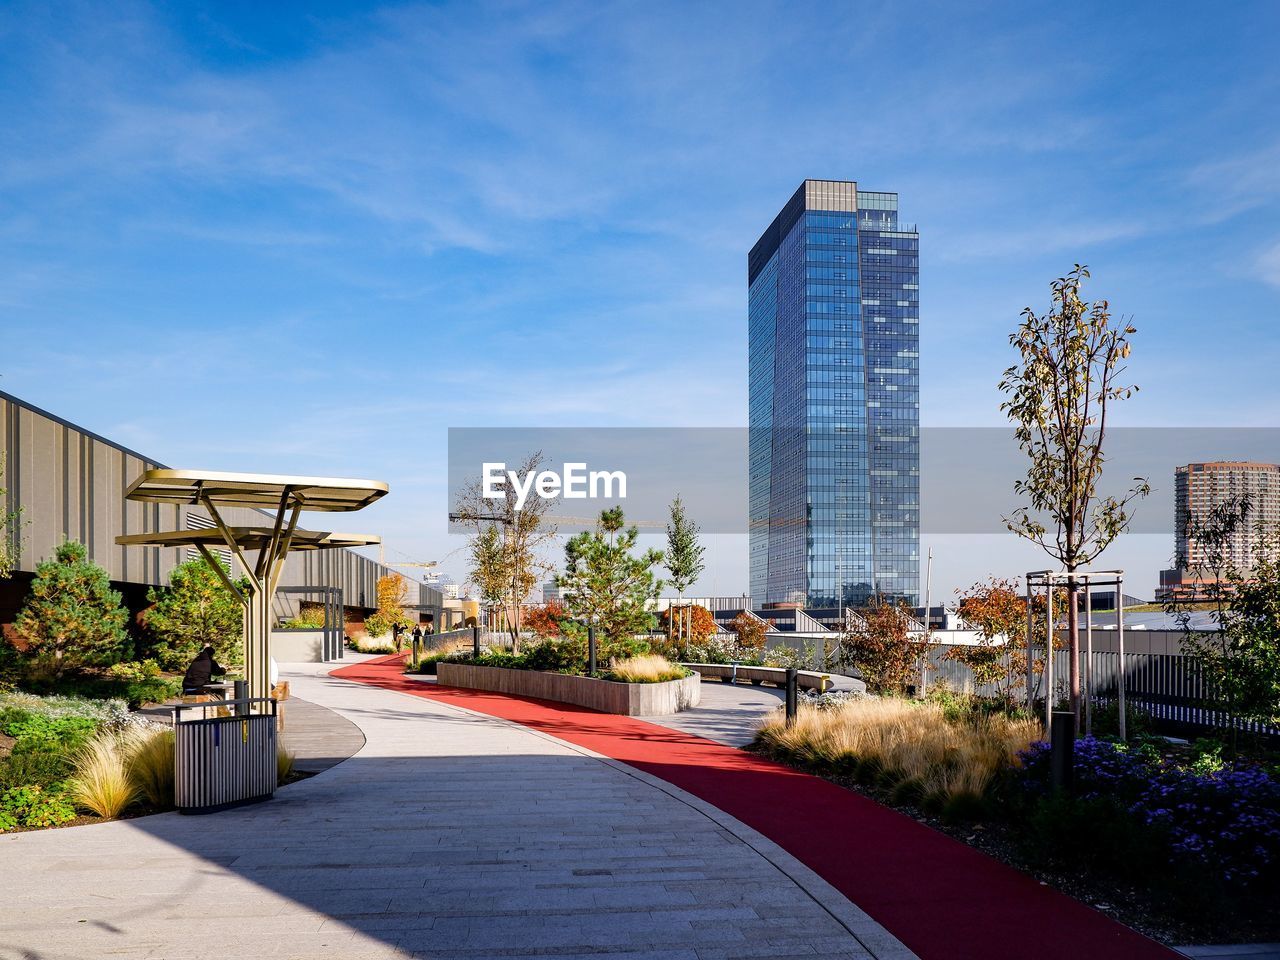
[
  {"x": 507, "y": 542},
  {"x": 72, "y": 618},
  {"x": 604, "y": 584},
  {"x": 999, "y": 615},
  {"x": 196, "y": 608},
  {"x": 392, "y": 592},
  {"x": 1072, "y": 365},
  {"x": 879, "y": 646},
  {"x": 10, "y": 531},
  {"x": 683, "y": 557},
  {"x": 1240, "y": 657}
]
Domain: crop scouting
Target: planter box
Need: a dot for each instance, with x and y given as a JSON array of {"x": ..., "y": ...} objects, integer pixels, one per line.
[
  {"x": 298, "y": 646},
  {"x": 628, "y": 699}
]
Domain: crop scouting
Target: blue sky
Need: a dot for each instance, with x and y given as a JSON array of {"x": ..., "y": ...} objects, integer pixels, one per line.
[{"x": 309, "y": 237}]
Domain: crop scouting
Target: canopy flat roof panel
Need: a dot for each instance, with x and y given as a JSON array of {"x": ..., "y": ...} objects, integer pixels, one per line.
[
  {"x": 248, "y": 538},
  {"x": 189, "y": 487}
]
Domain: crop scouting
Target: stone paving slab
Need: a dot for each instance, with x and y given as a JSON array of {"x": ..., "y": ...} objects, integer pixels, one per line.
[{"x": 447, "y": 835}]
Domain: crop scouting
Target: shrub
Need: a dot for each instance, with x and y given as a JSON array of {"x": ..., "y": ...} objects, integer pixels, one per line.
[
  {"x": 545, "y": 621},
  {"x": 35, "y": 731},
  {"x": 806, "y": 658},
  {"x": 310, "y": 617},
  {"x": 906, "y": 746},
  {"x": 102, "y": 711},
  {"x": 557, "y": 656},
  {"x": 149, "y": 764},
  {"x": 879, "y": 645},
  {"x": 101, "y": 782},
  {"x": 650, "y": 668},
  {"x": 427, "y": 662},
  {"x": 372, "y": 645},
  {"x": 196, "y": 608},
  {"x": 499, "y": 658},
  {"x": 34, "y": 806},
  {"x": 722, "y": 648},
  {"x": 152, "y": 690},
  {"x": 133, "y": 672},
  {"x": 72, "y": 617},
  {"x": 43, "y": 768},
  {"x": 751, "y": 631}
]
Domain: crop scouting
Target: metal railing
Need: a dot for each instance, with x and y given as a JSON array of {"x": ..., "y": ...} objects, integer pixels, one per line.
[{"x": 1168, "y": 687}]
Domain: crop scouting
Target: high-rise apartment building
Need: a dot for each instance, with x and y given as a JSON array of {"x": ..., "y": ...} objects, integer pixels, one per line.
[
  {"x": 1197, "y": 489},
  {"x": 834, "y": 380}
]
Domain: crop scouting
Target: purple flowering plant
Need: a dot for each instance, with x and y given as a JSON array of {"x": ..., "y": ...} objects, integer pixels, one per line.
[{"x": 1226, "y": 820}]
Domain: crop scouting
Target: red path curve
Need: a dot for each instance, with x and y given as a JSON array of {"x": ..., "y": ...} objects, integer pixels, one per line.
[{"x": 941, "y": 898}]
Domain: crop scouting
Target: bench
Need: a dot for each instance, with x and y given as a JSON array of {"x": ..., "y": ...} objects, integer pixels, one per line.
[{"x": 729, "y": 673}]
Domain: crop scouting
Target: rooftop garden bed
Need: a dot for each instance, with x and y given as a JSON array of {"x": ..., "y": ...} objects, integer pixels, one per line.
[{"x": 1168, "y": 837}]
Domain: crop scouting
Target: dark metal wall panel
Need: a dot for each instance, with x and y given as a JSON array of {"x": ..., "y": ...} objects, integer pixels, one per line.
[{"x": 71, "y": 482}]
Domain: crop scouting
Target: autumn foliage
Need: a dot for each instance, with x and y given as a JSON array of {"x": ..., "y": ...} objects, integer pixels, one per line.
[
  {"x": 751, "y": 631},
  {"x": 879, "y": 646},
  {"x": 998, "y": 612},
  {"x": 692, "y": 624},
  {"x": 545, "y": 620}
]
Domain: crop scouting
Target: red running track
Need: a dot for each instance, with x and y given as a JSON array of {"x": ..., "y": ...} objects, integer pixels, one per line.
[{"x": 941, "y": 898}]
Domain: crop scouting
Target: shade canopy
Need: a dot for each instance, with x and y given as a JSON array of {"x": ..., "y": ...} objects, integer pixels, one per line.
[
  {"x": 193, "y": 487},
  {"x": 248, "y": 538}
]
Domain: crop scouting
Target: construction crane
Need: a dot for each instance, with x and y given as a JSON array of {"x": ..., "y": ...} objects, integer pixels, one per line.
[{"x": 382, "y": 559}]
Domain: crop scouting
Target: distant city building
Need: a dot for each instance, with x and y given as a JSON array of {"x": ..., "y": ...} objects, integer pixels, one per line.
[
  {"x": 1198, "y": 488},
  {"x": 551, "y": 593},
  {"x": 834, "y": 345},
  {"x": 447, "y": 586}
]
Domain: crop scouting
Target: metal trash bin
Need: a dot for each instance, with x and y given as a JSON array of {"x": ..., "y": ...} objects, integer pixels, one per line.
[{"x": 226, "y": 761}]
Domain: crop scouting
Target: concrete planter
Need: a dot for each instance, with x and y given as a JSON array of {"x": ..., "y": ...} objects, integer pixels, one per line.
[
  {"x": 297, "y": 646},
  {"x": 628, "y": 699}
]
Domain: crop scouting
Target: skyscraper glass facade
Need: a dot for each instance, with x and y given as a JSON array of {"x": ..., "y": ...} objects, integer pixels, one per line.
[{"x": 833, "y": 307}]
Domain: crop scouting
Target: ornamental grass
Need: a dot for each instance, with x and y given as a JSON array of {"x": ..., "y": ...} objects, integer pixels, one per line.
[
  {"x": 149, "y": 763},
  {"x": 908, "y": 747},
  {"x": 649, "y": 668},
  {"x": 101, "y": 782},
  {"x": 284, "y": 763}
]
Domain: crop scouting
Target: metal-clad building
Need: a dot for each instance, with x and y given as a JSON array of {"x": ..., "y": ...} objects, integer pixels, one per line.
[{"x": 70, "y": 485}]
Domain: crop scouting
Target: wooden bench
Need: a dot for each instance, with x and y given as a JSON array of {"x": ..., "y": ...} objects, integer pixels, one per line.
[{"x": 729, "y": 673}]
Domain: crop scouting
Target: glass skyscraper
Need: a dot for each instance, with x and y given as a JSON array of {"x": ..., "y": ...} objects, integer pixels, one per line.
[{"x": 834, "y": 315}]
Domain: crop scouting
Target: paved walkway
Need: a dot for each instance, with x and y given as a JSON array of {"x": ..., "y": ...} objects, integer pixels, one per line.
[
  {"x": 318, "y": 737},
  {"x": 448, "y": 835},
  {"x": 727, "y": 713},
  {"x": 940, "y": 897}
]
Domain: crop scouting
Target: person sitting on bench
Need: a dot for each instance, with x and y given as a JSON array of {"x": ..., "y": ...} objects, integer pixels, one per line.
[{"x": 201, "y": 672}]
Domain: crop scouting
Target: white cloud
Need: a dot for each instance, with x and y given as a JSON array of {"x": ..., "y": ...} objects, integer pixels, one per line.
[{"x": 1267, "y": 265}]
